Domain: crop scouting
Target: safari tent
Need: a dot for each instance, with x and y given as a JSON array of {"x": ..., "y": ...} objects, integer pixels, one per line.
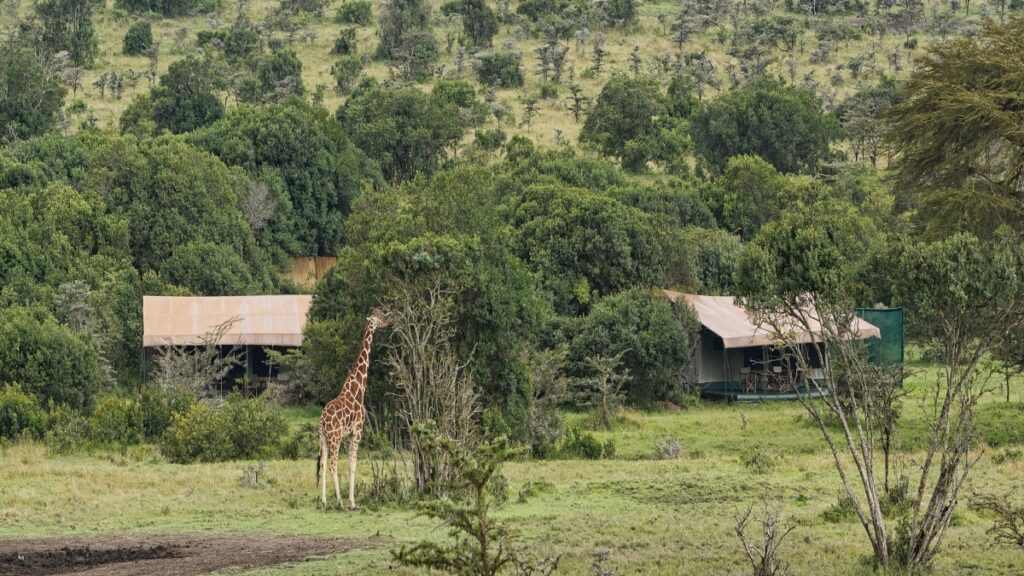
[
  {"x": 735, "y": 358},
  {"x": 254, "y": 323}
]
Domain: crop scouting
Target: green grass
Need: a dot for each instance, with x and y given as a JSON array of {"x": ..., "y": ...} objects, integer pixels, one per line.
[{"x": 655, "y": 516}]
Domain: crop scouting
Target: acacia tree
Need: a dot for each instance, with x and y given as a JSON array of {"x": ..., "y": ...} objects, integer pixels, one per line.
[
  {"x": 955, "y": 136},
  {"x": 800, "y": 275},
  {"x": 431, "y": 383},
  {"x": 968, "y": 296}
]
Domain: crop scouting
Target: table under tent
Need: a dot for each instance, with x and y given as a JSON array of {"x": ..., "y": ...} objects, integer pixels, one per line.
[{"x": 735, "y": 359}]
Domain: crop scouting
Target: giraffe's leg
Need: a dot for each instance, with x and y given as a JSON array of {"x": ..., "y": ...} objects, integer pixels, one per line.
[
  {"x": 323, "y": 468},
  {"x": 335, "y": 446},
  {"x": 353, "y": 452}
]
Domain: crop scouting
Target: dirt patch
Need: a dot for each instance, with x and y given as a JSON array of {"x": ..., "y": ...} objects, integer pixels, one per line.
[{"x": 143, "y": 555}]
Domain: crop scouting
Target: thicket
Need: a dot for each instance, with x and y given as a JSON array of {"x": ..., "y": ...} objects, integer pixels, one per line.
[{"x": 138, "y": 39}]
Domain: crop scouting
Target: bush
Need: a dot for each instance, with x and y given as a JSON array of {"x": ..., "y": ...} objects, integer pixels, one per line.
[
  {"x": 490, "y": 139},
  {"x": 169, "y": 8},
  {"x": 346, "y": 71},
  {"x": 668, "y": 449},
  {"x": 500, "y": 69},
  {"x": 759, "y": 460},
  {"x": 355, "y": 12},
  {"x": 158, "y": 409},
  {"x": 117, "y": 420},
  {"x": 584, "y": 445},
  {"x": 1008, "y": 455},
  {"x": 549, "y": 91},
  {"x": 47, "y": 358},
  {"x": 304, "y": 443},
  {"x": 844, "y": 510},
  {"x": 138, "y": 39},
  {"x": 68, "y": 431},
  {"x": 345, "y": 43},
  {"x": 20, "y": 414},
  {"x": 240, "y": 428}
]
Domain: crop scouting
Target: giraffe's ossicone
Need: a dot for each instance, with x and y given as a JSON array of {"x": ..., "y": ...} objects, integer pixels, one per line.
[{"x": 344, "y": 416}]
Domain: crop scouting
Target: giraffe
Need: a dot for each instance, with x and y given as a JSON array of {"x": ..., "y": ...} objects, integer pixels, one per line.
[{"x": 344, "y": 416}]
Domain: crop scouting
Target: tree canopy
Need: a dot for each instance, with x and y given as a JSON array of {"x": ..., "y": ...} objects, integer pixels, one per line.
[
  {"x": 783, "y": 124},
  {"x": 955, "y": 135}
]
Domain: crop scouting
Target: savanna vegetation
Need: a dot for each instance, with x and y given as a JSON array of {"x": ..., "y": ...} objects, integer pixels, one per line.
[{"x": 514, "y": 183}]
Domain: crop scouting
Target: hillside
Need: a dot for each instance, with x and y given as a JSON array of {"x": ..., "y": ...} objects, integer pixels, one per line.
[{"x": 834, "y": 49}]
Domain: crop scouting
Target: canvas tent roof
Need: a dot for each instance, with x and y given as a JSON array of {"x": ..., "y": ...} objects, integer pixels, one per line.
[
  {"x": 723, "y": 316},
  {"x": 258, "y": 320}
]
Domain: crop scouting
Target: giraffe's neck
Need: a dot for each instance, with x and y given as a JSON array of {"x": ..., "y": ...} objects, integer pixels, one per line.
[{"x": 355, "y": 384}]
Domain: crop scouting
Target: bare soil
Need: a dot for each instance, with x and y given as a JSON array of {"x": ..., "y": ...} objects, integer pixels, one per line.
[{"x": 142, "y": 555}]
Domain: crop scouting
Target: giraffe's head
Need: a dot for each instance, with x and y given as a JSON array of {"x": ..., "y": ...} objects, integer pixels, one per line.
[{"x": 377, "y": 319}]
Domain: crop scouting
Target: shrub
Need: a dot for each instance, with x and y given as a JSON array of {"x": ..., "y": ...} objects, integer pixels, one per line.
[
  {"x": 256, "y": 476},
  {"x": 500, "y": 69},
  {"x": 303, "y": 443},
  {"x": 759, "y": 460},
  {"x": 169, "y": 8},
  {"x": 491, "y": 139},
  {"x": 117, "y": 420},
  {"x": 534, "y": 488},
  {"x": 844, "y": 510},
  {"x": 240, "y": 428},
  {"x": 668, "y": 449},
  {"x": 1008, "y": 455},
  {"x": 346, "y": 71},
  {"x": 355, "y": 12},
  {"x": 138, "y": 39},
  {"x": 583, "y": 445},
  {"x": 68, "y": 431},
  {"x": 345, "y": 43},
  {"x": 20, "y": 414},
  {"x": 549, "y": 91},
  {"x": 196, "y": 436},
  {"x": 48, "y": 359},
  {"x": 158, "y": 408}
]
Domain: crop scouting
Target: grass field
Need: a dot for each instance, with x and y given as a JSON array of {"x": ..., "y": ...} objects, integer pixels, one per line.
[
  {"x": 654, "y": 516},
  {"x": 651, "y": 36}
]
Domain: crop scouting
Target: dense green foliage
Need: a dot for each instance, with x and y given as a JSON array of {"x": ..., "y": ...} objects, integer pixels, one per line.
[
  {"x": 479, "y": 22},
  {"x": 139, "y": 38},
  {"x": 405, "y": 130},
  {"x": 630, "y": 121},
  {"x": 501, "y": 69},
  {"x": 653, "y": 336},
  {"x": 303, "y": 152},
  {"x": 20, "y": 414},
  {"x": 47, "y": 358},
  {"x": 240, "y": 428},
  {"x": 165, "y": 7},
  {"x": 184, "y": 100},
  {"x": 355, "y": 12},
  {"x": 583, "y": 244},
  {"x": 67, "y": 26},
  {"x": 954, "y": 133},
  {"x": 32, "y": 92},
  {"x": 405, "y": 38},
  {"x": 782, "y": 124}
]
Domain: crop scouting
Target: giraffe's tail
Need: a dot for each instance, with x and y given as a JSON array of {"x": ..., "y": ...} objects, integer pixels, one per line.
[{"x": 320, "y": 456}]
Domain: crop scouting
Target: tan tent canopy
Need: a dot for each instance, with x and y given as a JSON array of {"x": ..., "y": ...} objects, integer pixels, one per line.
[
  {"x": 721, "y": 315},
  {"x": 255, "y": 320}
]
